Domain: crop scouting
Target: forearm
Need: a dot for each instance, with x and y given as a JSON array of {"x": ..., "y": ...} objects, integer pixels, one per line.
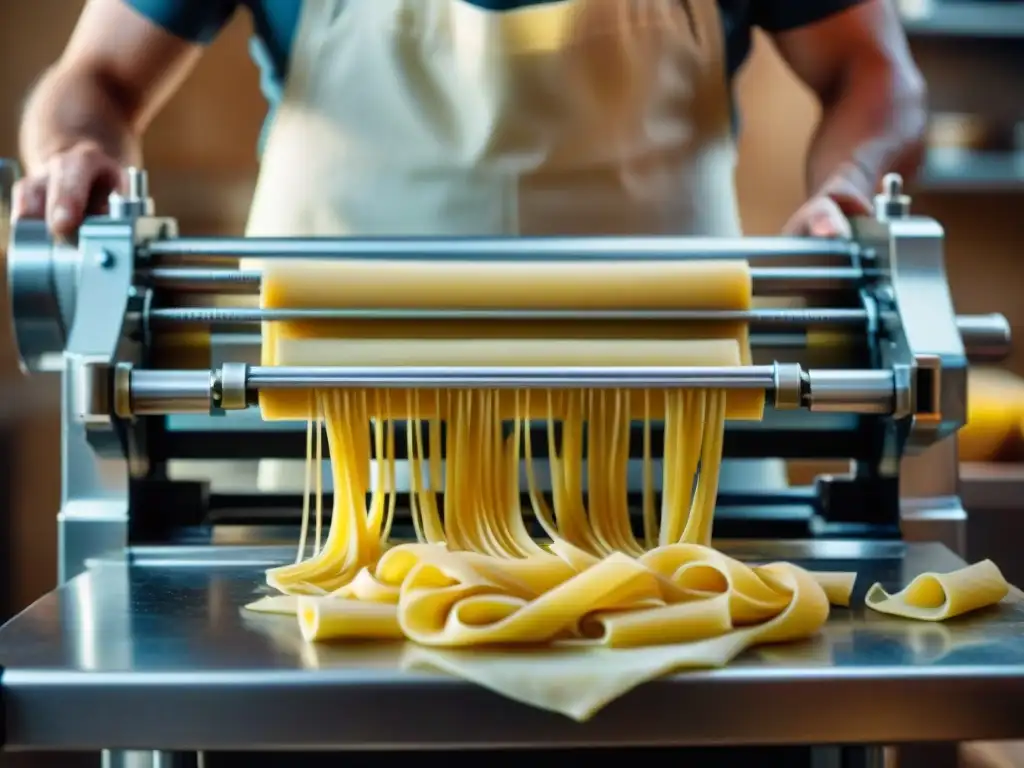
[
  {"x": 75, "y": 104},
  {"x": 874, "y": 124}
]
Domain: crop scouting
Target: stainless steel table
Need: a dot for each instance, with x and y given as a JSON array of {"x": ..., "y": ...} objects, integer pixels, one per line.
[{"x": 155, "y": 654}]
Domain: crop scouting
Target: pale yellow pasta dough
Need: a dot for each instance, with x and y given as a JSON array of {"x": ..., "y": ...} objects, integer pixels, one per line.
[
  {"x": 498, "y": 284},
  {"x": 612, "y": 608},
  {"x": 940, "y": 596},
  {"x": 355, "y": 284},
  {"x": 673, "y": 594}
]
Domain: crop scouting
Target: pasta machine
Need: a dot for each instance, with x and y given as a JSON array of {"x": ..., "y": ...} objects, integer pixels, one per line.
[{"x": 156, "y": 338}]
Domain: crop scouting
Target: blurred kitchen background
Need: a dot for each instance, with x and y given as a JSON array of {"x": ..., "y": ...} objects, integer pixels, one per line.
[{"x": 200, "y": 154}]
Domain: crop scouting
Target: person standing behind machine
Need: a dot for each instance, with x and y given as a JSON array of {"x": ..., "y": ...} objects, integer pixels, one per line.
[{"x": 488, "y": 117}]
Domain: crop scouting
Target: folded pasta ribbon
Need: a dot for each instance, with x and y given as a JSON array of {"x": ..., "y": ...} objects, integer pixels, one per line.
[
  {"x": 941, "y": 596},
  {"x": 673, "y": 594}
]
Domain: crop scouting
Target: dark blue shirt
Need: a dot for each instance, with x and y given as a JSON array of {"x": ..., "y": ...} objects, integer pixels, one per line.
[{"x": 275, "y": 22}]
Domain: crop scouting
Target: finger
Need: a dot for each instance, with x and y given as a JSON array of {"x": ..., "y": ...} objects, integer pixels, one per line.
[
  {"x": 812, "y": 218},
  {"x": 797, "y": 224},
  {"x": 67, "y": 192},
  {"x": 73, "y": 178},
  {"x": 829, "y": 225},
  {"x": 852, "y": 205},
  {"x": 822, "y": 225},
  {"x": 822, "y": 217},
  {"x": 28, "y": 198},
  {"x": 111, "y": 178},
  {"x": 829, "y": 221},
  {"x": 847, "y": 195}
]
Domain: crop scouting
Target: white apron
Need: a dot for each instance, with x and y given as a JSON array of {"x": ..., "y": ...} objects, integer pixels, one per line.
[{"x": 437, "y": 117}]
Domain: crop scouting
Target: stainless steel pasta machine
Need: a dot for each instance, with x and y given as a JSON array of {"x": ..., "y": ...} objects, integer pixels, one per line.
[
  {"x": 865, "y": 362},
  {"x": 156, "y": 339}
]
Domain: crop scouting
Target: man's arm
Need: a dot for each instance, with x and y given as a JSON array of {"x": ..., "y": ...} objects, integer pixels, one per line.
[
  {"x": 858, "y": 63},
  {"x": 84, "y": 120}
]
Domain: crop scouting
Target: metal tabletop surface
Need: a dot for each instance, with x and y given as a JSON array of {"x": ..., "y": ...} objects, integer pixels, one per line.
[{"x": 156, "y": 654}]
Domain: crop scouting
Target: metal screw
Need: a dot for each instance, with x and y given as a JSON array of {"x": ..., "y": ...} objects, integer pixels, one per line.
[
  {"x": 138, "y": 184},
  {"x": 105, "y": 259},
  {"x": 892, "y": 203},
  {"x": 892, "y": 184}
]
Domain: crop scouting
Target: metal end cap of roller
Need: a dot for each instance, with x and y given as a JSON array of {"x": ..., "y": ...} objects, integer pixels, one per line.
[{"x": 986, "y": 338}]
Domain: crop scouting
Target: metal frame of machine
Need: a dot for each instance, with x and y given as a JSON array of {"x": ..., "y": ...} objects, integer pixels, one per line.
[
  {"x": 887, "y": 392},
  {"x": 97, "y": 309}
]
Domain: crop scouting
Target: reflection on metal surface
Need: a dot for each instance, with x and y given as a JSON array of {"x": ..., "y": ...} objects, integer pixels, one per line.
[
  {"x": 149, "y": 759},
  {"x": 88, "y": 653},
  {"x": 922, "y": 642},
  {"x": 168, "y": 631}
]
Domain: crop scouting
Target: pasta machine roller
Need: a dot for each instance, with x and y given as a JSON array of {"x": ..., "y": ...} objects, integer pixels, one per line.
[{"x": 856, "y": 345}]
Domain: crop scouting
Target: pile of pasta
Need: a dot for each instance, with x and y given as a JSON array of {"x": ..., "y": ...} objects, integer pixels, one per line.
[{"x": 475, "y": 577}]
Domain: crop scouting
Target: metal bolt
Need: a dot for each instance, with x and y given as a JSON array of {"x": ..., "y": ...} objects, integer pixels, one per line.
[
  {"x": 105, "y": 259},
  {"x": 138, "y": 184},
  {"x": 892, "y": 185},
  {"x": 892, "y": 203}
]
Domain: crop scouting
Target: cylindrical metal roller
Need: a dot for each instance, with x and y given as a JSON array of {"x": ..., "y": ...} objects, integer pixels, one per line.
[
  {"x": 157, "y": 393},
  {"x": 868, "y": 391},
  {"x": 767, "y": 280},
  {"x": 233, "y": 315},
  {"x": 849, "y": 391},
  {"x": 443, "y": 377},
  {"x": 517, "y": 248},
  {"x": 199, "y": 280}
]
